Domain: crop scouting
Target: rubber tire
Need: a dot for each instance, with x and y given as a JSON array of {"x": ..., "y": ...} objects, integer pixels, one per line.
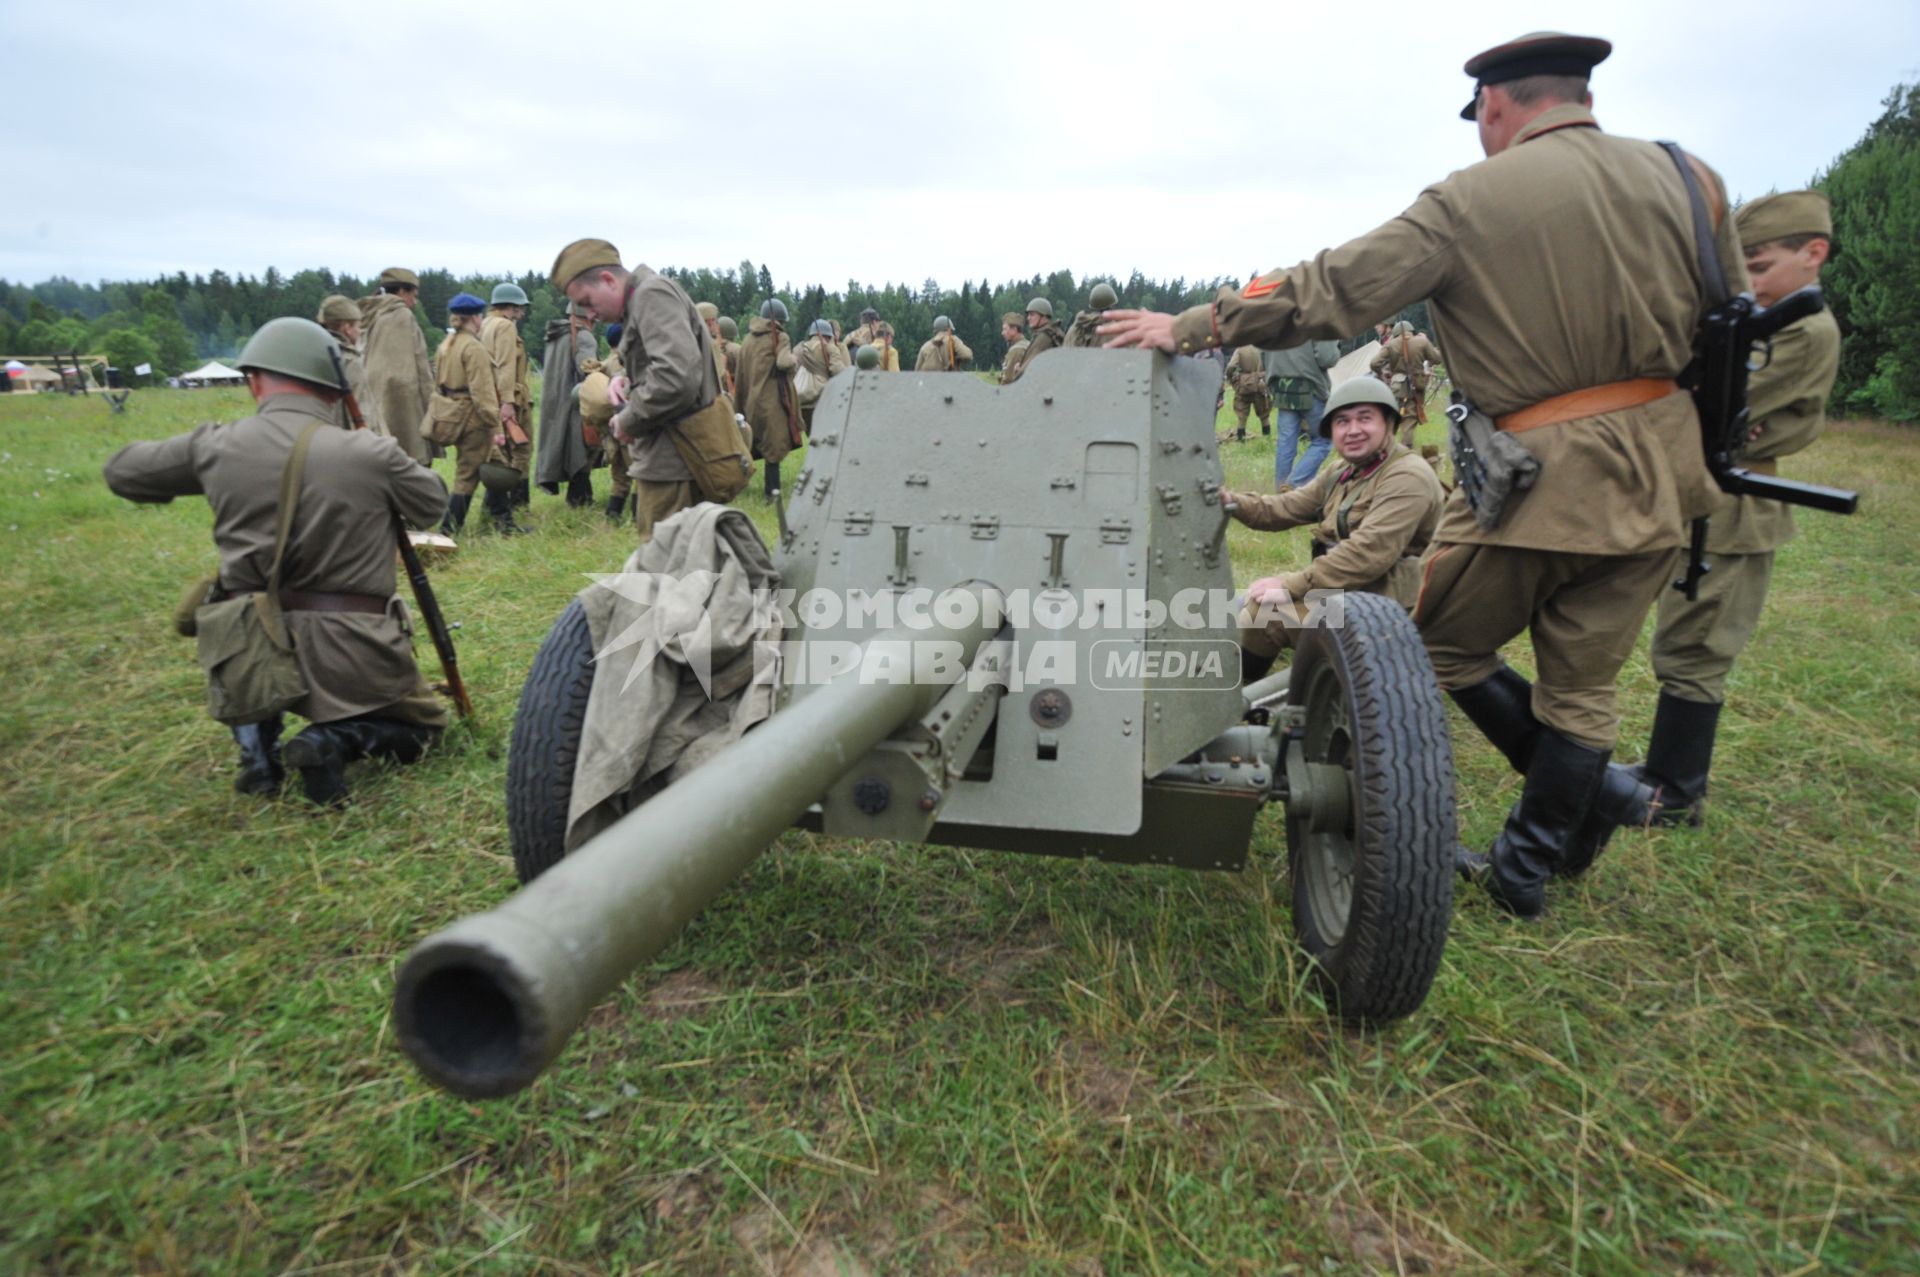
[
  {"x": 1401, "y": 780},
  {"x": 546, "y": 741}
]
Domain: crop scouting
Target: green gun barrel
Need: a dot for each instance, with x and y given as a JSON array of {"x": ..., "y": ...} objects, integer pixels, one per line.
[{"x": 486, "y": 1004}]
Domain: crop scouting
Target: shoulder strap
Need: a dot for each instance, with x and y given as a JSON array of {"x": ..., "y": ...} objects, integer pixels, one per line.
[
  {"x": 289, "y": 498},
  {"x": 1716, "y": 279}
]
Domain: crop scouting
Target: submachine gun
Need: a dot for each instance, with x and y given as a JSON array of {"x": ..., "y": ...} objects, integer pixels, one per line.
[{"x": 1717, "y": 379}]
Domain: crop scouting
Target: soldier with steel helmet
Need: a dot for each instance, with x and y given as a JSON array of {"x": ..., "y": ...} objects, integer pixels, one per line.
[
  {"x": 1043, "y": 334},
  {"x": 340, "y": 316},
  {"x": 819, "y": 357},
  {"x": 729, "y": 331},
  {"x": 500, "y": 336},
  {"x": 1373, "y": 516},
  {"x": 867, "y": 334},
  {"x": 1563, "y": 279},
  {"x": 350, "y": 634},
  {"x": 1085, "y": 328},
  {"x": 767, "y": 397},
  {"x": 944, "y": 351},
  {"x": 1403, "y": 362}
]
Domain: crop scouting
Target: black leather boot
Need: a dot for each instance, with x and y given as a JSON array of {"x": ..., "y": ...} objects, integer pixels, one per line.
[
  {"x": 1561, "y": 785},
  {"x": 323, "y": 750},
  {"x": 523, "y": 495},
  {"x": 1679, "y": 755},
  {"x": 261, "y": 773},
  {"x": 580, "y": 490},
  {"x": 500, "y": 506},
  {"x": 771, "y": 477},
  {"x": 616, "y": 506},
  {"x": 1502, "y": 708},
  {"x": 456, "y": 516}
]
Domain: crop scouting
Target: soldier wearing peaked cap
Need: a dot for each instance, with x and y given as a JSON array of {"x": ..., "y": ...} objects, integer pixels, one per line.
[
  {"x": 364, "y": 694},
  {"x": 666, "y": 371},
  {"x": 1786, "y": 240},
  {"x": 399, "y": 375},
  {"x": 1512, "y": 255}
]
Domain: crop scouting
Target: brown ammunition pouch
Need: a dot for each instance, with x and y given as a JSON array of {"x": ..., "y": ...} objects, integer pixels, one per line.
[
  {"x": 447, "y": 415},
  {"x": 713, "y": 450}
]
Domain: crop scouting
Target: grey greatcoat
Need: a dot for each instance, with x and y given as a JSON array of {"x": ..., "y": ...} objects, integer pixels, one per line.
[
  {"x": 563, "y": 449},
  {"x": 342, "y": 541}
]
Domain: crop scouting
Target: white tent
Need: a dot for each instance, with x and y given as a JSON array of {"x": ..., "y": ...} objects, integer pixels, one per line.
[{"x": 213, "y": 370}]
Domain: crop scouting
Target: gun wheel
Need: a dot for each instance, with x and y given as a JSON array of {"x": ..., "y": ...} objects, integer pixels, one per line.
[
  {"x": 1370, "y": 812},
  {"x": 546, "y": 741}
]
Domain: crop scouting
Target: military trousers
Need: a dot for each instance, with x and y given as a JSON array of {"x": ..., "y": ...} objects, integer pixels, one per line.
[
  {"x": 1695, "y": 642},
  {"x": 1582, "y": 612},
  {"x": 1259, "y": 405},
  {"x": 659, "y": 501},
  {"x": 618, "y": 463},
  {"x": 473, "y": 446}
]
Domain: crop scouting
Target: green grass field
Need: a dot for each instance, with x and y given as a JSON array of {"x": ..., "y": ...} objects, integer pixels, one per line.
[{"x": 877, "y": 1059}]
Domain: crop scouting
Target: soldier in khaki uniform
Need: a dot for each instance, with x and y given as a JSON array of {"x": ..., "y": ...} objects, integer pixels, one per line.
[
  {"x": 710, "y": 316},
  {"x": 944, "y": 351},
  {"x": 666, "y": 361},
  {"x": 1042, "y": 335},
  {"x": 889, "y": 358},
  {"x": 1786, "y": 239},
  {"x": 350, "y": 634},
  {"x": 730, "y": 344},
  {"x": 620, "y": 499},
  {"x": 820, "y": 357},
  {"x": 1012, "y": 334},
  {"x": 1374, "y": 517},
  {"x": 399, "y": 376},
  {"x": 867, "y": 334},
  {"x": 1249, "y": 378},
  {"x": 467, "y": 374},
  {"x": 1563, "y": 279},
  {"x": 767, "y": 398},
  {"x": 1402, "y": 364},
  {"x": 1085, "y": 328},
  {"x": 340, "y": 316},
  {"x": 500, "y": 334}
]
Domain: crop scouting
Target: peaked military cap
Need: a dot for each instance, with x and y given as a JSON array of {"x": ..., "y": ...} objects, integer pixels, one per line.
[
  {"x": 1536, "y": 53},
  {"x": 1779, "y": 216},
  {"x": 581, "y": 256},
  {"x": 399, "y": 275}
]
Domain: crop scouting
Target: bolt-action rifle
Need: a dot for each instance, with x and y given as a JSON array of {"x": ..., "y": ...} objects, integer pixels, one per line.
[{"x": 416, "y": 575}]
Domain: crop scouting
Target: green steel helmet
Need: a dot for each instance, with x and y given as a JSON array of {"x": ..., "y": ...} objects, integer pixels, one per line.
[
  {"x": 728, "y": 329},
  {"x": 823, "y": 328},
  {"x": 1040, "y": 306},
  {"x": 941, "y": 324},
  {"x": 509, "y": 295},
  {"x": 1403, "y": 329},
  {"x": 1360, "y": 390},
  {"x": 498, "y": 478},
  {"x": 775, "y": 309},
  {"x": 1103, "y": 297},
  {"x": 867, "y": 357},
  {"x": 297, "y": 348}
]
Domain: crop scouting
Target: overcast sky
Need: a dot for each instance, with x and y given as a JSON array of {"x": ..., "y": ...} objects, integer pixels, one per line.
[{"x": 835, "y": 141}]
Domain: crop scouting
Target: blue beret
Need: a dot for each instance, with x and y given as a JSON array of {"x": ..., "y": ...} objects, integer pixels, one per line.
[{"x": 466, "y": 304}]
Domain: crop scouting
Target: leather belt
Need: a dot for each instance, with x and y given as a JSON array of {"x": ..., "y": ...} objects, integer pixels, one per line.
[
  {"x": 1591, "y": 402},
  {"x": 326, "y": 601}
]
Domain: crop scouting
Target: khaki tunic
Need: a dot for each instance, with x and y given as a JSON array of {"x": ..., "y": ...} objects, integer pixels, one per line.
[
  {"x": 354, "y": 364},
  {"x": 342, "y": 541},
  {"x": 1695, "y": 642},
  {"x": 733, "y": 369},
  {"x": 823, "y": 357},
  {"x": 1085, "y": 329},
  {"x": 1567, "y": 261},
  {"x": 501, "y": 338},
  {"x": 1408, "y": 357},
  {"x": 767, "y": 398},
  {"x": 399, "y": 378},
  {"x": 465, "y": 372},
  {"x": 1010, "y": 365},
  {"x": 862, "y": 336},
  {"x": 1249, "y": 379},
  {"x": 944, "y": 352},
  {"x": 1042, "y": 339},
  {"x": 889, "y": 359},
  {"x": 1373, "y": 521},
  {"x": 665, "y": 354}
]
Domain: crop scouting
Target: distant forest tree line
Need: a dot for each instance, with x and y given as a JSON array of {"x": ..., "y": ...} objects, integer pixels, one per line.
[{"x": 175, "y": 322}]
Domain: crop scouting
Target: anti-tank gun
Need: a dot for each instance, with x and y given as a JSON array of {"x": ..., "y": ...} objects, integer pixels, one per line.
[{"x": 1062, "y": 543}]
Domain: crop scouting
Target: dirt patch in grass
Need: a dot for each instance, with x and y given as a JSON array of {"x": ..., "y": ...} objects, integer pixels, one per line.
[{"x": 680, "y": 994}]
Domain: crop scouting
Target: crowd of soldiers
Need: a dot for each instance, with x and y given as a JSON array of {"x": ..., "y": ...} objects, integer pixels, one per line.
[{"x": 1507, "y": 255}]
